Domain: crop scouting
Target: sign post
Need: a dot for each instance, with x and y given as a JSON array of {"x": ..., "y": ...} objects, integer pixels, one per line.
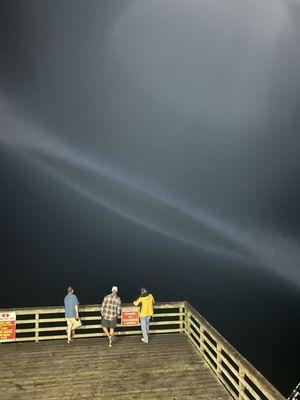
[
  {"x": 7, "y": 326},
  {"x": 130, "y": 316}
]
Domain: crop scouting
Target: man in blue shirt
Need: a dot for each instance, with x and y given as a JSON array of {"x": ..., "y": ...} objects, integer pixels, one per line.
[{"x": 71, "y": 312}]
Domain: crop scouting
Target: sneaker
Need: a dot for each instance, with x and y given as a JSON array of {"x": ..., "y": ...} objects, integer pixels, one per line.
[{"x": 145, "y": 341}]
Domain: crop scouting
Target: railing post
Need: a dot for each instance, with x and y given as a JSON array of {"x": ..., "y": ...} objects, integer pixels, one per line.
[
  {"x": 219, "y": 359},
  {"x": 187, "y": 321},
  {"x": 37, "y": 327},
  {"x": 201, "y": 337},
  {"x": 241, "y": 384},
  {"x": 181, "y": 319}
]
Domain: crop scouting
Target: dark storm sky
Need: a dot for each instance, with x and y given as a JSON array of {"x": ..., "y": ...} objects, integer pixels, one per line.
[
  {"x": 155, "y": 142},
  {"x": 179, "y": 117}
]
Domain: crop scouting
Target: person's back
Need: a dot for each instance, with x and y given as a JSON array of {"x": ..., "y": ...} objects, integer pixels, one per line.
[
  {"x": 145, "y": 302},
  {"x": 111, "y": 306},
  {"x": 70, "y": 302},
  {"x": 110, "y": 309},
  {"x": 71, "y": 312}
]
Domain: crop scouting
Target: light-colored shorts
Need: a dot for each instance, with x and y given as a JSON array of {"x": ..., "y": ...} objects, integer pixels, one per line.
[{"x": 73, "y": 323}]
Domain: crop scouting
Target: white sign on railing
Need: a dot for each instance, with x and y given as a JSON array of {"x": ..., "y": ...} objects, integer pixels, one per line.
[
  {"x": 130, "y": 316},
  {"x": 7, "y": 326}
]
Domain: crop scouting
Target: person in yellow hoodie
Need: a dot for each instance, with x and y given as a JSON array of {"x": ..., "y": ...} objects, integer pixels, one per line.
[{"x": 145, "y": 302}]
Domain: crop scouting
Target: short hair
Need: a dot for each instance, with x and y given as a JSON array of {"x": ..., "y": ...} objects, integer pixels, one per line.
[
  {"x": 70, "y": 289},
  {"x": 144, "y": 291}
]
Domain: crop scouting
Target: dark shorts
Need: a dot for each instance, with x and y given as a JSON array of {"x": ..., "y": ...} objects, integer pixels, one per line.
[{"x": 111, "y": 324}]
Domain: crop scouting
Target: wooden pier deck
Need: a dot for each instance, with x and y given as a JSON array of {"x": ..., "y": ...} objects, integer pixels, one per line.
[{"x": 167, "y": 368}]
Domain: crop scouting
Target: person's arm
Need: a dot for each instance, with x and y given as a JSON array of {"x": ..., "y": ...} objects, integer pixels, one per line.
[
  {"x": 103, "y": 305},
  {"x": 119, "y": 307},
  {"x": 137, "y": 302},
  {"x": 76, "y": 307}
]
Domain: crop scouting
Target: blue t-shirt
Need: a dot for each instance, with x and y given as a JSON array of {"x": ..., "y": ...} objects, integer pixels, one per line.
[{"x": 70, "y": 302}]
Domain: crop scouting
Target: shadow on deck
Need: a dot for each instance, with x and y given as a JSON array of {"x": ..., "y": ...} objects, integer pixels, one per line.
[{"x": 167, "y": 368}]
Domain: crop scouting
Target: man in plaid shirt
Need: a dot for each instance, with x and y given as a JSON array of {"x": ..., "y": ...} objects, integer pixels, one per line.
[{"x": 110, "y": 309}]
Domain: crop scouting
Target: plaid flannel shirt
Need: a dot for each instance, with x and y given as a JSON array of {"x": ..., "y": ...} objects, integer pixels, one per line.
[{"x": 111, "y": 307}]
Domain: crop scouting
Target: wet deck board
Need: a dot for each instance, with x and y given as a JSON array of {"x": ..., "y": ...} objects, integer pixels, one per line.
[{"x": 167, "y": 368}]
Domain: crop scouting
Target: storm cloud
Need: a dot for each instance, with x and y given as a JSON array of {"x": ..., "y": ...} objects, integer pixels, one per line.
[{"x": 181, "y": 116}]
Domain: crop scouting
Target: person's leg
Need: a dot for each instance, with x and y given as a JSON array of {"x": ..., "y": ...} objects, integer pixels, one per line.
[
  {"x": 105, "y": 326},
  {"x": 144, "y": 329},
  {"x": 105, "y": 331},
  {"x": 111, "y": 336},
  {"x": 76, "y": 323},
  {"x": 148, "y": 323},
  {"x": 112, "y": 327},
  {"x": 69, "y": 329}
]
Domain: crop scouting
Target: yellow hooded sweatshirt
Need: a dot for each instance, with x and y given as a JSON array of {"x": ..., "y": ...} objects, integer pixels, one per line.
[{"x": 147, "y": 305}]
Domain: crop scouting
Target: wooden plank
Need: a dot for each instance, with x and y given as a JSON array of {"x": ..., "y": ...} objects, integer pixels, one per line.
[
  {"x": 95, "y": 334},
  {"x": 85, "y": 308},
  {"x": 87, "y": 318},
  {"x": 95, "y": 326},
  {"x": 166, "y": 368}
]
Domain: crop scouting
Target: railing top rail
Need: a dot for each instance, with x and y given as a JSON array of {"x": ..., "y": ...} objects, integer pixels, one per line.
[
  {"x": 87, "y": 307},
  {"x": 256, "y": 376}
]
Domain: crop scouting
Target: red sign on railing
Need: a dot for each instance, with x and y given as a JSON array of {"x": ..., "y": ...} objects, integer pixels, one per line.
[
  {"x": 7, "y": 326},
  {"x": 130, "y": 316}
]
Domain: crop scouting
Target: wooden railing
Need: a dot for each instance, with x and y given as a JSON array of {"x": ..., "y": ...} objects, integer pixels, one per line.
[
  {"x": 36, "y": 324},
  {"x": 239, "y": 377},
  {"x": 295, "y": 395}
]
